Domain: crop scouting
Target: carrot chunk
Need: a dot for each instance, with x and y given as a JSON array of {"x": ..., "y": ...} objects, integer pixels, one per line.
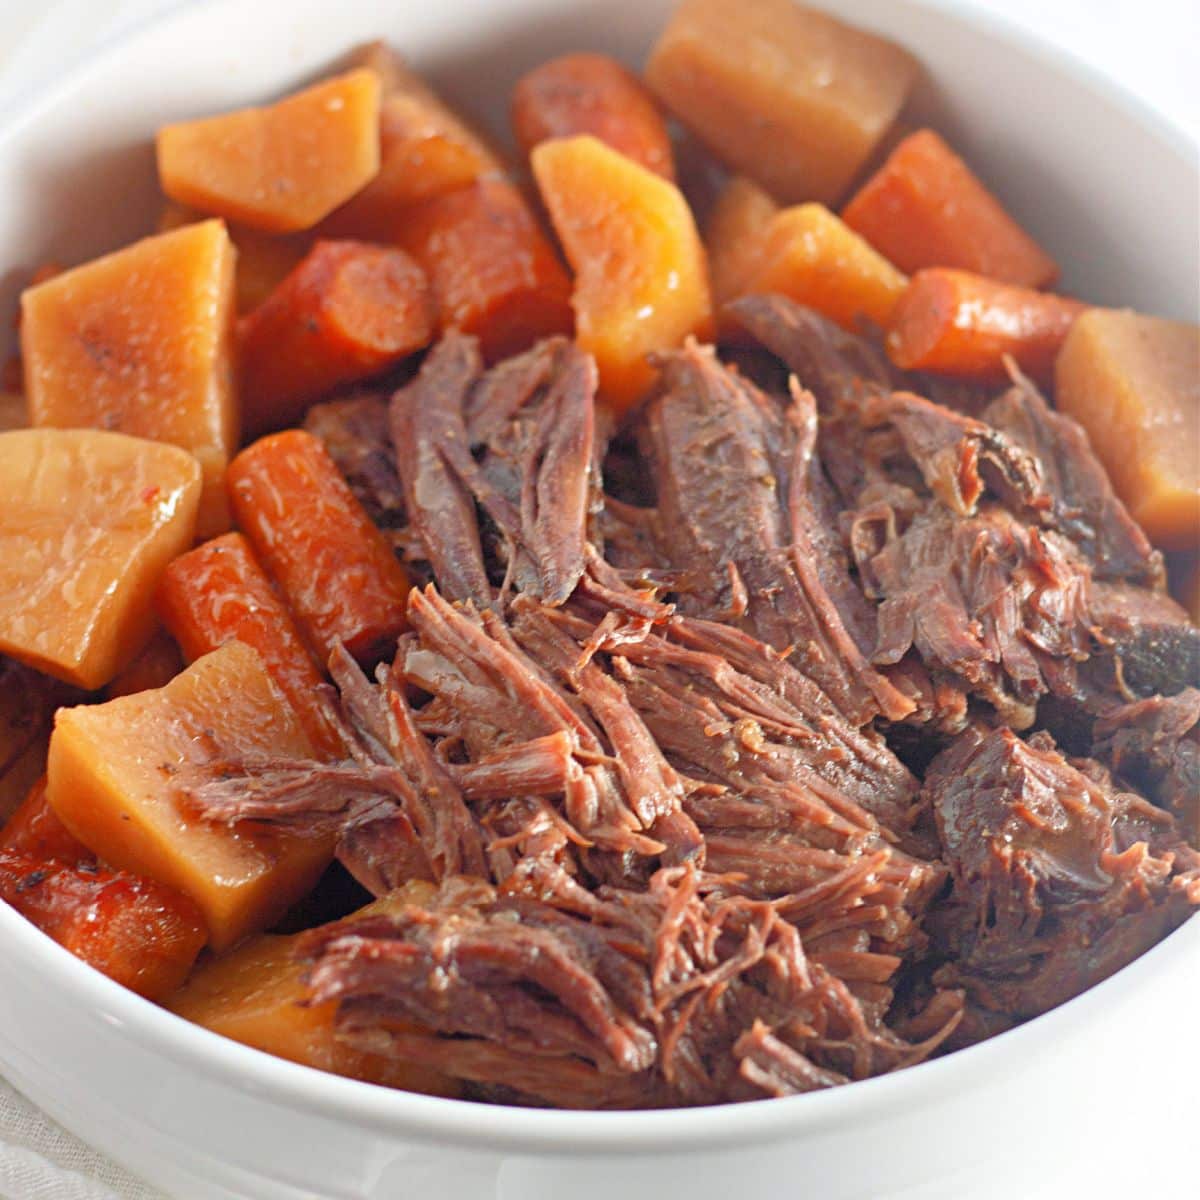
[
  {"x": 810, "y": 256},
  {"x": 425, "y": 150},
  {"x": 925, "y": 208},
  {"x": 734, "y": 235},
  {"x": 218, "y": 593},
  {"x": 281, "y": 168},
  {"x": 592, "y": 93},
  {"x": 36, "y": 830},
  {"x": 494, "y": 273},
  {"x": 348, "y": 311},
  {"x": 641, "y": 278},
  {"x": 337, "y": 572},
  {"x": 137, "y": 932},
  {"x": 962, "y": 324},
  {"x": 141, "y": 342},
  {"x": 157, "y": 664}
]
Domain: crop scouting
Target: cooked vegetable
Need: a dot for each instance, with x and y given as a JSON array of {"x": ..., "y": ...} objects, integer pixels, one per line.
[
  {"x": 140, "y": 342},
  {"x": 263, "y": 259},
  {"x": 348, "y": 311},
  {"x": 257, "y": 996},
  {"x": 592, "y": 93},
  {"x": 114, "y": 768},
  {"x": 337, "y": 573},
  {"x": 217, "y": 593},
  {"x": 14, "y": 412},
  {"x": 36, "y": 831},
  {"x": 281, "y": 168},
  {"x": 88, "y": 523},
  {"x": 494, "y": 274},
  {"x": 641, "y": 282},
  {"x": 925, "y": 208},
  {"x": 962, "y": 324},
  {"x": 792, "y": 97},
  {"x": 810, "y": 256},
  {"x": 157, "y": 664},
  {"x": 137, "y": 932},
  {"x": 734, "y": 235},
  {"x": 425, "y": 150},
  {"x": 1133, "y": 383}
]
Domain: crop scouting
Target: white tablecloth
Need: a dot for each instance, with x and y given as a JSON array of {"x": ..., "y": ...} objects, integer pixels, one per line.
[{"x": 1151, "y": 46}]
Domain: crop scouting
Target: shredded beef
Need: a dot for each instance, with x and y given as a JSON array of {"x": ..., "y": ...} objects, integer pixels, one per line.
[{"x": 1047, "y": 900}]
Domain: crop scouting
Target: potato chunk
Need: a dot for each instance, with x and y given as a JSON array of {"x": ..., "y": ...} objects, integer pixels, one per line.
[
  {"x": 110, "y": 776},
  {"x": 141, "y": 342},
  {"x": 641, "y": 280},
  {"x": 809, "y": 255},
  {"x": 280, "y": 168},
  {"x": 255, "y": 996},
  {"x": 88, "y": 522},
  {"x": 1133, "y": 383},
  {"x": 790, "y": 96}
]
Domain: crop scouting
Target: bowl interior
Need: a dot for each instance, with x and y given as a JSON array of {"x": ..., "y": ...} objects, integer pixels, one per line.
[{"x": 1118, "y": 210}]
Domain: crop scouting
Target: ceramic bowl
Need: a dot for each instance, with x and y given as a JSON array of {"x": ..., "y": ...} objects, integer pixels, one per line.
[{"x": 1098, "y": 179}]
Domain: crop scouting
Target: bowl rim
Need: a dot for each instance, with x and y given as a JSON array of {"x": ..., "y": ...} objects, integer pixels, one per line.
[{"x": 473, "y": 1125}]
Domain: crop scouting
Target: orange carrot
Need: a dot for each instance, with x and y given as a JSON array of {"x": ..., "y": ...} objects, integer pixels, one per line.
[
  {"x": 925, "y": 208},
  {"x": 337, "y": 573},
  {"x": 348, "y": 311},
  {"x": 138, "y": 932},
  {"x": 218, "y": 592},
  {"x": 154, "y": 667},
  {"x": 962, "y": 324},
  {"x": 35, "y": 830},
  {"x": 592, "y": 93},
  {"x": 493, "y": 271}
]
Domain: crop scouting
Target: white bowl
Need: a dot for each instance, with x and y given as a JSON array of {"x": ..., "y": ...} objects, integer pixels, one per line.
[{"x": 1099, "y": 180}]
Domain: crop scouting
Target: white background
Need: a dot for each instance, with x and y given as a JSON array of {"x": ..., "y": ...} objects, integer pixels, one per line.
[{"x": 1152, "y": 46}]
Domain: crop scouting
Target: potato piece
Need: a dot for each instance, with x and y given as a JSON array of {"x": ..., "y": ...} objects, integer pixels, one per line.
[
  {"x": 255, "y": 996},
  {"x": 89, "y": 522},
  {"x": 641, "y": 280},
  {"x": 790, "y": 96},
  {"x": 425, "y": 150},
  {"x": 110, "y": 778},
  {"x": 1133, "y": 383},
  {"x": 263, "y": 259},
  {"x": 809, "y": 255},
  {"x": 734, "y": 235},
  {"x": 281, "y": 168},
  {"x": 14, "y": 412},
  {"x": 141, "y": 342}
]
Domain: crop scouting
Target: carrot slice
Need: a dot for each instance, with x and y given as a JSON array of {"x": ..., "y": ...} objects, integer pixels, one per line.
[
  {"x": 281, "y": 168},
  {"x": 925, "y": 208},
  {"x": 36, "y": 830},
  {"x": 348, "y": 311},
  {"x": 962, "y": 324},
  {"x": 592, "y": 93},
  {"x": 218, "y": 592},
  {"x": 337, "y": 573},
  {"x": 493, "y": 271},
  {"x": 138, "y": 932}
]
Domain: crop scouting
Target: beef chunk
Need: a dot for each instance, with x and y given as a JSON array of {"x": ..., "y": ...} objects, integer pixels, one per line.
[
  {"x": 1046, "y": 899},
  {"x": 610, "y": 999},
  {"x": 739, "y": 504}
]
